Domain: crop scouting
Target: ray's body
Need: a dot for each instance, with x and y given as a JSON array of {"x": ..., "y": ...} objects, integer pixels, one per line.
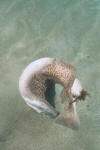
[{"x": 33, "y": 85}]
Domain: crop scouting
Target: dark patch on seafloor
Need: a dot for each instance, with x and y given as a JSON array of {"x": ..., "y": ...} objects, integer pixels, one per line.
[{"x": 3, "y": 138}]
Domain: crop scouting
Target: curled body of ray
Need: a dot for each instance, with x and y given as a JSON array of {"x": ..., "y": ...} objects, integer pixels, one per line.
[{"x": 32, "y": 86}]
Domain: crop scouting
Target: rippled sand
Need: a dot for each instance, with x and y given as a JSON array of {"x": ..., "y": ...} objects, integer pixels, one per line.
[{"x": 64, "y": 29}]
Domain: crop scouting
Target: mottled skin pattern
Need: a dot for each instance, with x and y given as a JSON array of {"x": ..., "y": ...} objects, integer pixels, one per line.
[
  {"x": 64, "y": 74},
  {"x": 38, "y": 86},
  {"x": 61, "y": 73}
]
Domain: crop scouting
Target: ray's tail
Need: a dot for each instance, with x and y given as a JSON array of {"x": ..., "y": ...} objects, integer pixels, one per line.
[{"x": 70, "y": 119}]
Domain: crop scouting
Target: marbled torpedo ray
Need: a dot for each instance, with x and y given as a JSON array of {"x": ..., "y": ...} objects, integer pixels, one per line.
[{"x": 33, "y": 86}]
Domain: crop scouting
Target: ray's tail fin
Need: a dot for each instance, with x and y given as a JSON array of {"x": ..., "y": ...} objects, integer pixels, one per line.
[{"x": 70, "y": 119}]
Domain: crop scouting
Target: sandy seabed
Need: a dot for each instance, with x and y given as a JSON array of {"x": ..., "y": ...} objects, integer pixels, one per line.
[{"x": 64, "y": 29}]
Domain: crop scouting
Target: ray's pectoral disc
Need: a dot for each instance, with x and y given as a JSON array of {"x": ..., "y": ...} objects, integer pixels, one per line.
[{"x": 37, "y": 88}]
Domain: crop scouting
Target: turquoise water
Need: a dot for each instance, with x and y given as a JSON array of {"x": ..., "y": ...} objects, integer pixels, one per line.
[{"x": 64, "y": 29}]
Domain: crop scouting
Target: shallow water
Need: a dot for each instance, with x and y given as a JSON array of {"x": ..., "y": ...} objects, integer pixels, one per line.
[{"x": 64, "y": 29}]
